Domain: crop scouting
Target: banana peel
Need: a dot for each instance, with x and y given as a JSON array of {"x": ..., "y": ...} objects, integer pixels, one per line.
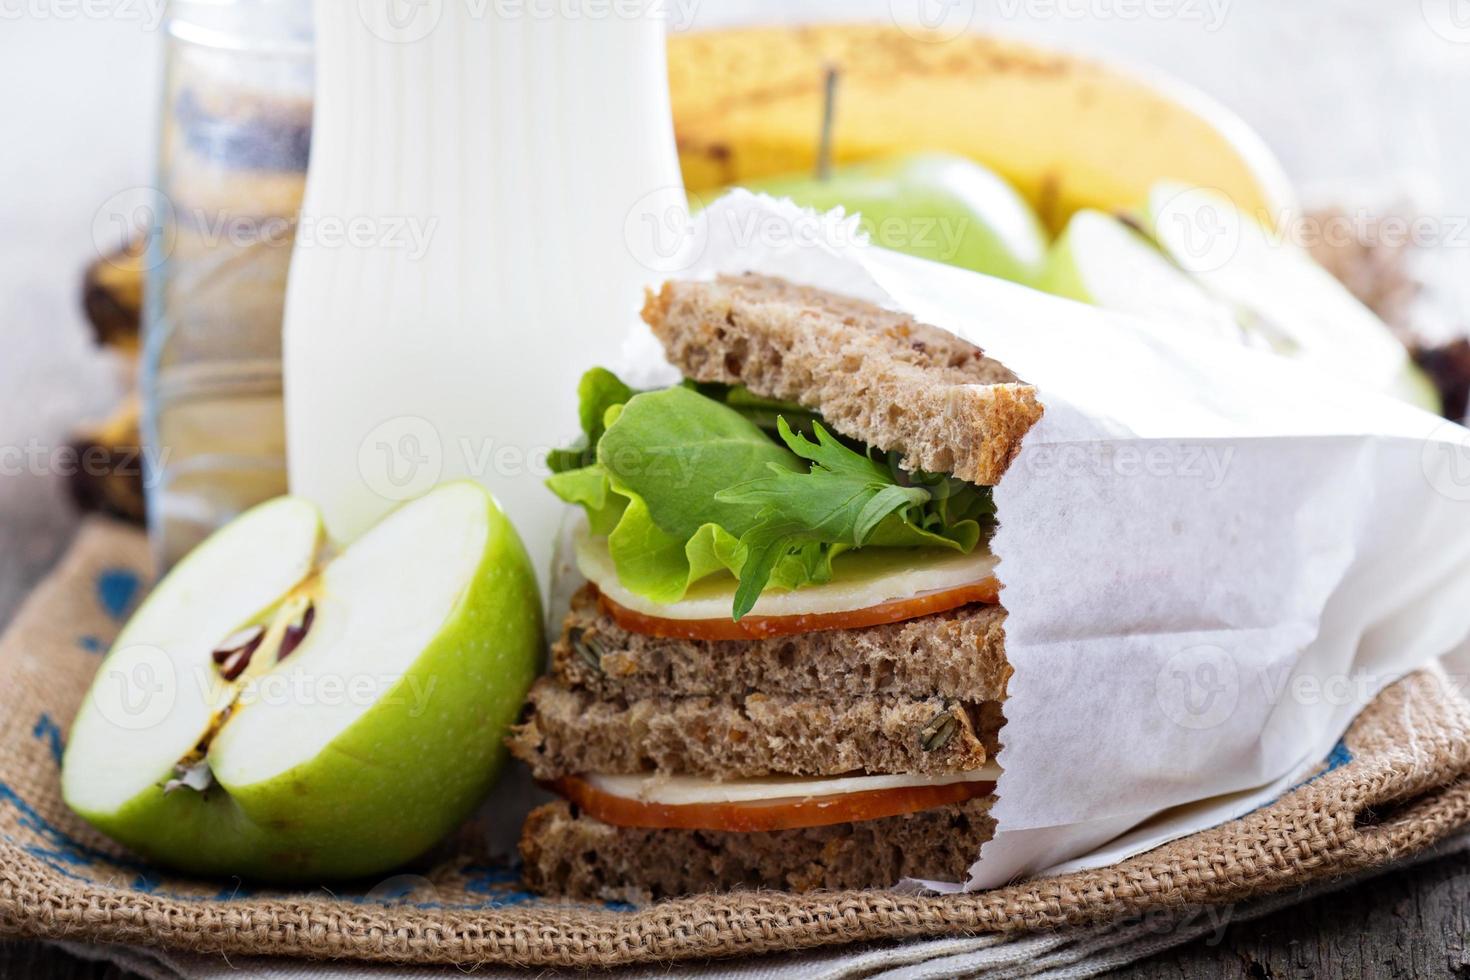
[
  {"x": 112, "y": 297},
  {"x": 106, "y": 458},
  {"x": 106, "y": 465},
  {"x": 1067, "y": 131}
]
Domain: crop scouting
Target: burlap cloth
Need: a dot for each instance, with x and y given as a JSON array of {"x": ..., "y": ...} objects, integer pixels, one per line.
[{"x": 1393, "y": 787}]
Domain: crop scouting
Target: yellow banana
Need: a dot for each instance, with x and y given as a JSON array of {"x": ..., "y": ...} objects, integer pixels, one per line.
[{"x": 1067, "y": 131}]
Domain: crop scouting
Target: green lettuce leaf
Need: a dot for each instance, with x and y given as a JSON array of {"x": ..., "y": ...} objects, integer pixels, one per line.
[
  {"x": 685, "y": 485},
  {"x": 590, "y": 488},
  {"x": 598, "y": 391}
]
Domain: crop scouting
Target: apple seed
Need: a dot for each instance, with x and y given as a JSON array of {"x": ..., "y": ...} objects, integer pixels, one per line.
[
  {"x": 233, "y": 656},
  {"x": 296, "y": 632}
]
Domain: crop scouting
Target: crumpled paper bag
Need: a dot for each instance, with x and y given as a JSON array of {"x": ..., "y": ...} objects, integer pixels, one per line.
[{"x": 1212, "y": 557}]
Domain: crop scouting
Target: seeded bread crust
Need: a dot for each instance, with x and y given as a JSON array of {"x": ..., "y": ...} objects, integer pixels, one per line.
[
  {"x": 570, "y": 731},
  {"x": 958, "y": 654},
  {"x": 567, "y": 853},
  {"x": 875, "y": 375}
]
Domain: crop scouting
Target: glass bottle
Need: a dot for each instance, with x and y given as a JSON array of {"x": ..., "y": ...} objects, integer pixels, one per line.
[{"x": 234, "y": 137}]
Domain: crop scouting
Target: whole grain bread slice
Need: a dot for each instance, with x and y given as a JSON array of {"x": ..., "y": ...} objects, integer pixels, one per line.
[
  {"x": 874, "y": 375},
  {"x": 568, "y": 853},
  {"x": 958, "y": 654},
  {"x": 569, "y": 731}
]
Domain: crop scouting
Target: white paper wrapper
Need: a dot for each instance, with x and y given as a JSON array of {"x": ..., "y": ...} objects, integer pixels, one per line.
[{"x": 1212, "y": 558}]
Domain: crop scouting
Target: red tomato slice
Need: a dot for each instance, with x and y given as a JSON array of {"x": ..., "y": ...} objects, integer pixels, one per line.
[
  {"x": 760, "y": 627},
  {"x": 764, "y": 815}
]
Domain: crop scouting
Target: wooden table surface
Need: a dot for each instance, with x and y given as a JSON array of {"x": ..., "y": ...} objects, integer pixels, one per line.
[{"x": 78, "y": 109}]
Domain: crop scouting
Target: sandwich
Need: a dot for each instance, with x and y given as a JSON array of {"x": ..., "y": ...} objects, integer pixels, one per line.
[{"x": 787, "y": 666}]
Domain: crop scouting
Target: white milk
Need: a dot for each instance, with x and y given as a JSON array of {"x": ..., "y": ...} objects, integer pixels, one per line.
[{"x": 479, "y": 175}]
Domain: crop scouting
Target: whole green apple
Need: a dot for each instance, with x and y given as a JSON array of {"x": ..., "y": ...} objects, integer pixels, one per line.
[
  {"x": 945, "y": 208},
  {"x": 264, "y": 716}
]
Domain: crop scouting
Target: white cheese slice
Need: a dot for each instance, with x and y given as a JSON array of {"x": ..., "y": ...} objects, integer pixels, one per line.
[
  {"x": 691, "y": 790},
  {"x": 861, "y": 579}
]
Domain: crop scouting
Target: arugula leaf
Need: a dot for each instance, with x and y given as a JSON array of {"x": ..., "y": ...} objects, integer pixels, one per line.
[{"x": 845, "y": 500}]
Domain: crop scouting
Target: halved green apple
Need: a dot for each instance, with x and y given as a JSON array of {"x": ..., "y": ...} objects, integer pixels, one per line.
[
  {"x": 269, "y": 716},
  {"x": 1102, "y": 261},
  {"x": 1279, "y": 293}
]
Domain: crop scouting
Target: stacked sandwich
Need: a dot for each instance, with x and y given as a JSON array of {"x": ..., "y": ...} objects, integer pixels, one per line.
[{"x": 787, "y": 667}]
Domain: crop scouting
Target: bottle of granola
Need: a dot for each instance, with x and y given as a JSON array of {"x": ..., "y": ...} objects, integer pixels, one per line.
[{"x": 235, "y": 132}]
